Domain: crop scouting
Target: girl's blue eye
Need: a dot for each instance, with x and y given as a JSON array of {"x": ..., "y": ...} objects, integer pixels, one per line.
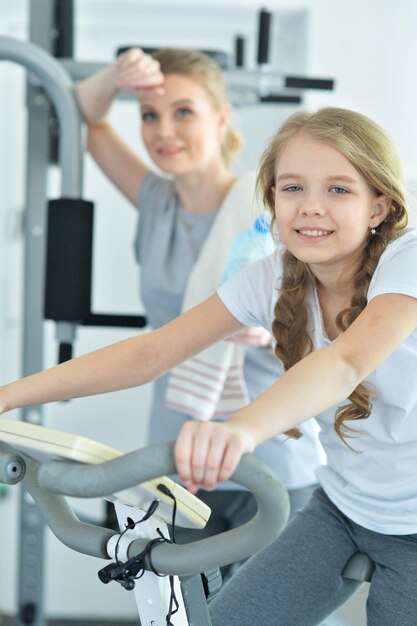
[
  {"x": 183, "y": 112},
  {"x": 338, "y": 190},
  {"x": 148, "y": 116},
  {"x": 292, "y": 188}
]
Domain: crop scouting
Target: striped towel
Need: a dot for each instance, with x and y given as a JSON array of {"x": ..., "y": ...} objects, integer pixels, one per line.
[
  {"x": 212, "y": 384},
  {"x": 203, "y": 389}
]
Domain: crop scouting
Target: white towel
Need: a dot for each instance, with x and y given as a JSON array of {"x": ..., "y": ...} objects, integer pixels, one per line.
[{"x": 212, "y": 384}]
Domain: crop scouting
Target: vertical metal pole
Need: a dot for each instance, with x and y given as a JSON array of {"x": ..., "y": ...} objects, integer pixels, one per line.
[
  {"x": 31, "y": 548},
  {"x": 32, "y": 525}
]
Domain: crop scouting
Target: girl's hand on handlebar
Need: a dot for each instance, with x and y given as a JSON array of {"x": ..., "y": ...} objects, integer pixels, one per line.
[
  {"x": 207, "y": 453},
  {"x": 138, "y": 73}
]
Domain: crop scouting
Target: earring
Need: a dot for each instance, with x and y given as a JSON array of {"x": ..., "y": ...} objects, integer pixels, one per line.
[{"x": 373, "y": 231}]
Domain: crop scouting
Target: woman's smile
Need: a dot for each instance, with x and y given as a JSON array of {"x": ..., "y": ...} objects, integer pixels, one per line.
[{"x": 169, "y": 151}]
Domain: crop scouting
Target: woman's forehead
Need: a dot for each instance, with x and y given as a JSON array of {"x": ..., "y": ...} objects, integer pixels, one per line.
[{"x": 178, "y": 88}]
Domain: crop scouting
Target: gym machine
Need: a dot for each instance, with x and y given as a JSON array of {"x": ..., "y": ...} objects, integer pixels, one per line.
[{"x": 171, "y": 582}]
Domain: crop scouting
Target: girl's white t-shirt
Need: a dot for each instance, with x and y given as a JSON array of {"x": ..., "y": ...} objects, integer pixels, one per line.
[{"x": 375, "y": 485}]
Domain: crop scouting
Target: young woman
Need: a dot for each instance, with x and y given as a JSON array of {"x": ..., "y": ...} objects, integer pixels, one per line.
[
  {"x": 342, "y": 304},
  {"x": 186, "y": 226}
]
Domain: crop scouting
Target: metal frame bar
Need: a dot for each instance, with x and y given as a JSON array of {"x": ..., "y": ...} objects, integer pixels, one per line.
[{"x": 57, "y": 85}]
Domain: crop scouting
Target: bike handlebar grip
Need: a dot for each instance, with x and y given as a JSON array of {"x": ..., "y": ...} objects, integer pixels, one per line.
[{"x": 148, "y": 463}]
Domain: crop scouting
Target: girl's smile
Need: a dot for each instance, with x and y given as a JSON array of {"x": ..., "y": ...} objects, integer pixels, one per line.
[{"x": 313, "y": 234}]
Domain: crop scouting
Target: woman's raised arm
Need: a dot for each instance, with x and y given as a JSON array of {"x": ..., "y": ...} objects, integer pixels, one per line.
[{"x": 135, "y": 72}]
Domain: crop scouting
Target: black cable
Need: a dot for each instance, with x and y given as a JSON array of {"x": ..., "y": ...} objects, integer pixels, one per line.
[
  {"x": 164, "y": 489},
  {"x": 151, "y": 510},
  {"x": 173, "y": 602},
  {"x": 133, "y": 569}
]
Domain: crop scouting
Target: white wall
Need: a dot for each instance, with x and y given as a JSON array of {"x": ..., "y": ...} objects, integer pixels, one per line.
[{"x": 367, "y": 46}]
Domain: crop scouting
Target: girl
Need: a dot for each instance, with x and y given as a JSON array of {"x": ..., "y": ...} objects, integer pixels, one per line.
[
  {"x": 345, "y": 327},
  {"x": 342, "y": 302},
  {"x": 186, "y": 227}
]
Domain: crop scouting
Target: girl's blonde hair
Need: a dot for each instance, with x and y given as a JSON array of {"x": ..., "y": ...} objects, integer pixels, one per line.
[
  {"x": 200, "y": 67},
  {"x": 374, "y": 155}
]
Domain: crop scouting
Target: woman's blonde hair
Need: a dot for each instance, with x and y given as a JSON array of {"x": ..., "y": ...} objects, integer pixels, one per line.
[
  {"x": 200, "y": 67},
  {"x": 374, "y": 155}
]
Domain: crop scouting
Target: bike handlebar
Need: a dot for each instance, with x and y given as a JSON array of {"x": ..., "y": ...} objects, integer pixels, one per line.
[{"x": 49, "y": 483}]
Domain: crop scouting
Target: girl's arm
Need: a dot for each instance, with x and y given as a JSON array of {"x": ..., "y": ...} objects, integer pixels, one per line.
[
  {"x": 133, "y": 71},
  {"x": 126, "y": 364},
  {"x": 207, "y": 453}
]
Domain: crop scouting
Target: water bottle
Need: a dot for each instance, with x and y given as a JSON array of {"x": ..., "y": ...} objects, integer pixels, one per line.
[{"x": 249, "y": 246}]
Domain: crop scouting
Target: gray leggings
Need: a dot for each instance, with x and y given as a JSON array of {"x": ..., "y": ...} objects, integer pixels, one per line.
[
  {"x": 232, "y": 508},
  {"x": 297, "y": 580}
]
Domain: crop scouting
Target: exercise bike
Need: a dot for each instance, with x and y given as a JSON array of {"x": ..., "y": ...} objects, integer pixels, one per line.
[{"x": 171, "y": 582}]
